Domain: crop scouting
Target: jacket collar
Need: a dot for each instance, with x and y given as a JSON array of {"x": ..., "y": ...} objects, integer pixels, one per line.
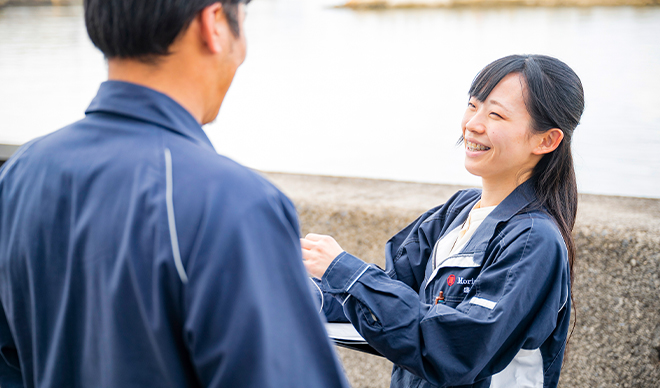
[
  {"x": 513, "y": 204},
  {"x": 141, "y": 103},
  {"x": 519, "y": 199}
]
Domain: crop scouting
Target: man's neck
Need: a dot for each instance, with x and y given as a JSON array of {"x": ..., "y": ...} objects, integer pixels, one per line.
[{"x": 160, "y": 77}]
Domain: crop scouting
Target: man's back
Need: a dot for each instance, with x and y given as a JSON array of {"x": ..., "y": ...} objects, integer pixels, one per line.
[{"x": 131, "y": 254}]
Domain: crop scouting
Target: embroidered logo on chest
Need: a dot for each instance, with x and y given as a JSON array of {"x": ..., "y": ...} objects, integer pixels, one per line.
[{"x": 451, "y": 280}]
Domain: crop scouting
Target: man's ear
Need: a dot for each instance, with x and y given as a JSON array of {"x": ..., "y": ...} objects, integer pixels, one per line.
[
  {"x": 549, "y": 141},
  {"x": 213, "y": 25}
]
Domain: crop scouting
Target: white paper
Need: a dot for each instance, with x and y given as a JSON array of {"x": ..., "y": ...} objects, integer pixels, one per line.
[{"x": 344, "y": 332}]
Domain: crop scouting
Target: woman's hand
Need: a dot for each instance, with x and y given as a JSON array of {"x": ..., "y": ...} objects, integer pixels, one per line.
[{"x": 318, "y": 251}]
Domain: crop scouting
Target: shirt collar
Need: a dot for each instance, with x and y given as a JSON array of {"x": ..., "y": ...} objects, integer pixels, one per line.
[{"x": 142, "y": 103}]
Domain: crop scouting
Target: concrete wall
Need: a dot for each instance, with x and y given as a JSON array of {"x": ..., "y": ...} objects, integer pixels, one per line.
[
  {"x": 616, "y": 342},
  {"x": 6, "y": 150}
]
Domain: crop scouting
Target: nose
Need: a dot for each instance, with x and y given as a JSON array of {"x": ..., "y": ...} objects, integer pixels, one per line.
[{"x": 475, "y": 123}]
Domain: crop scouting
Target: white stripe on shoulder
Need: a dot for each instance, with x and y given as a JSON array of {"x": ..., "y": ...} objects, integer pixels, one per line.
[
  {"x": 489, "y": 304},
  {"x": 170, "y": 217}
]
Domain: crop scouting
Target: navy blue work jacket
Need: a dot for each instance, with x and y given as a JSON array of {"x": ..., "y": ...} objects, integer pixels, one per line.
[
  {"x": 133, "y": 255},
  {"x": 506, "y": 309}
]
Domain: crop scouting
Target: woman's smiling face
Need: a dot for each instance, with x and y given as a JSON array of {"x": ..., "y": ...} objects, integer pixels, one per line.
[{"x": 498, "y": 138}]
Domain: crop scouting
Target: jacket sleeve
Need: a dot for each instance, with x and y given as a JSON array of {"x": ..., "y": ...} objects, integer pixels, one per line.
[
  {"x": 10, "y": 370},
  {"x": 404, "y": 261},
  {"x": 250, "y": 318},
  {"x": 330, "y": 307},
  {"x": 513, "y": 304},
  {"x": 405, "y": 253}
]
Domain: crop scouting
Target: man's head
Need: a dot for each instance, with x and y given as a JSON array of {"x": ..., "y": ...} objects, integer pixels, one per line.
[
  {"x": 145, "y": 30},
  {"x": 187, "y": 49}
]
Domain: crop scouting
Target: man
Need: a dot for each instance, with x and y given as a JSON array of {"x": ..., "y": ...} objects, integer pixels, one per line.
[{"x": 131, "y": 253}]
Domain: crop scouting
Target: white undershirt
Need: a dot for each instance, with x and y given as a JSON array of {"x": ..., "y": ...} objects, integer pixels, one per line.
[{"x": 454, "y": 241}]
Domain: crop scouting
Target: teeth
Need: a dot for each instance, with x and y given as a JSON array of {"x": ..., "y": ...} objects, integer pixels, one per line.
[{"x": 475, "y": 147}]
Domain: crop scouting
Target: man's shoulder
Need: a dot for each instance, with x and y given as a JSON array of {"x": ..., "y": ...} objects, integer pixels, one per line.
[
  {"x": 207, "y": 182},
  {"x": 216, "y": 173},
  {"x": 118, "y": 155},
  {"x": 39, "y": 153}
]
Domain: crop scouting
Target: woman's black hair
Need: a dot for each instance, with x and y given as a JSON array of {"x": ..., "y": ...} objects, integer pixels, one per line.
[
  {"x": 145, "y": 29},
  {"x": 554, "y": 98}
]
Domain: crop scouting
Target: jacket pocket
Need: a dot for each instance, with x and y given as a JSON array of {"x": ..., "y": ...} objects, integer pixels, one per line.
[{"x": 452, "y": 284}]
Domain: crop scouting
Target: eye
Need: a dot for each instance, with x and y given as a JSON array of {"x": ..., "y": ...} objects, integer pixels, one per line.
[
  {"x": 471, "y": 105},
  {"x": 496, "y": 115}
]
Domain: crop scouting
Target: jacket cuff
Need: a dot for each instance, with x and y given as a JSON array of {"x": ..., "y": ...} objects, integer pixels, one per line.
[
  {"x": 317, "y": 294},
  {"x": 342, "y": 273}
]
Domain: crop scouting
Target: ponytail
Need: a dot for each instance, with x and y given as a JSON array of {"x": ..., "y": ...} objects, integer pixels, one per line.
[
  {"x": 555, "y": 99},
  {"x": 556, "y": 192}
]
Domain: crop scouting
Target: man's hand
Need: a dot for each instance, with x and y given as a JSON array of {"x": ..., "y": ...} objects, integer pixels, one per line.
[{"x": 318, "y": 252}]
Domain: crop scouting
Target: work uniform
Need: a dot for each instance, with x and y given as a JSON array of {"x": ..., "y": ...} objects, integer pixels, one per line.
[
  {"x": 495, "y": 314},
  {"x": 133, "y": 255}
]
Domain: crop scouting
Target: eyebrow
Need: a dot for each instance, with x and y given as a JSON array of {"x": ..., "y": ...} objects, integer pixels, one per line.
[{"x": 495, "y": 102}]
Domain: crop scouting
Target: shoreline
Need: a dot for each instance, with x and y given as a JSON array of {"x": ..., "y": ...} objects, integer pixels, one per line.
[
  {"x": 375, "y": 5},
  {"x": 38, "y": 3},
  {"x": 362, "y": 5}
]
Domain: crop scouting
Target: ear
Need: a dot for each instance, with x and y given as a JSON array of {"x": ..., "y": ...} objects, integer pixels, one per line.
[
  {"x": 213, "y": 25},
  {"x": 549, "y": 141}
]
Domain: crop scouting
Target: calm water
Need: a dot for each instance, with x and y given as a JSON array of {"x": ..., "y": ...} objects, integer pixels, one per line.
[{"x": 375, "y": 94}]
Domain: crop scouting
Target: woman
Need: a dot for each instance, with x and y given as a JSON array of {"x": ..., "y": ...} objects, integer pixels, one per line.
[{"x": 476, "y": 292}]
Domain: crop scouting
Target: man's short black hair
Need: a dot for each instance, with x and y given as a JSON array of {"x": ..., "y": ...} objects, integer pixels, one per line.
[{"x": 145, "y": 29}]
